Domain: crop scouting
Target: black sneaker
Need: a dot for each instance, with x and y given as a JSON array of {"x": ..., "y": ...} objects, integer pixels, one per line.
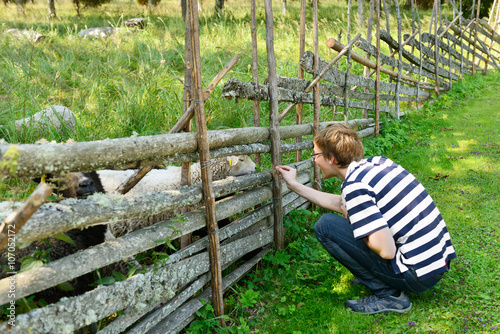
[
  {"x": 356, "y": 281},
  {"x": 374, "y": 304}
]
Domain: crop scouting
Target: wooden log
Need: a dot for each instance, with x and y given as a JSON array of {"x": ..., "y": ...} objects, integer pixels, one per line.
[
  {"x": 489, "y": 31},
  {"x": 70, "y": 314},
  {"x": 327, "y": 68},
  {"x": 13, "y": 223},
  {"x": 461, "y": 32},
  {"x": 368, "y": 63},
  {"x": 274, "y": 125},
  {"x": 337, "y": 76},
  {"x": 413, "y": 59},
  {"x": 348, "y": 67},
  {"x": 430, "y": 38},
  {"x": 427, "y": 51},
  {"x": 389, "y": 60},
  {"x": 34, "y": 160},
  {"x": 181, "y": 317},
  {"x": 437, "y": 3}
]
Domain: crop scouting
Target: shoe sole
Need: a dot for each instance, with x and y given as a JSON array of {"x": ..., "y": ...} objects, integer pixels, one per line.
[{"x": 387, "y": 310}]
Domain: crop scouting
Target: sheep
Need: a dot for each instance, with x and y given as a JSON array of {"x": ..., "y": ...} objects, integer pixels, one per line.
[
  {"x": 99, "y": 32},
  {"x": 170, "y": 177},
  {"x": 30, "y": 35},
  {"x": 166, "y": 179},
  {"x": 58, "y": 118}
]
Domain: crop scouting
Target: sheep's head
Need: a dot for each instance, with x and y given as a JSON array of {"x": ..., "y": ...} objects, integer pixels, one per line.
[{"x": 240, "y": 165}]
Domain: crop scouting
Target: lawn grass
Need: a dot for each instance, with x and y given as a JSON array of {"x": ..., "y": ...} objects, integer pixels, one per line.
[{"x": 452, "y": 147}]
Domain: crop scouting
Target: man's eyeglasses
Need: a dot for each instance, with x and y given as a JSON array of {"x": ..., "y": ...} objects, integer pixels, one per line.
[{"x": 314, "y": 155}]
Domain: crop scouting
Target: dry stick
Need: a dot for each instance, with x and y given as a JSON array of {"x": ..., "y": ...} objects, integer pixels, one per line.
[
  {"x": 274, "y": 126},
  {"x": 377, "y": 79},
  {"x": 181, "y": 124},
  {"x": 475, "y": 38},
  {"x": 298, "y": 109},
  {"x": 449, "y": 25},
  {"x": 436, "y": 50},
  {"x": 492, "y": 12},
  {"x": 313, "y": 83},
  {"x": 392, "y": 54},
  {"x": 206, "y": 173},
  {"x": 349, "y": 64},
  {"x": 335, "y": 107},
  {"x": 13, "y": 223},
  {"x": 255, "y": 72}
]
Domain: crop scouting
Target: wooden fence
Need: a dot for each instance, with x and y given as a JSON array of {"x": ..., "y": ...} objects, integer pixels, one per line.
[{"x": 162, "y": 297}]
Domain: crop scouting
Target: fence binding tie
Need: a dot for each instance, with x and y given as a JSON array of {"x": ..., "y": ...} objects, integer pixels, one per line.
[
  {"x": 214, "y": 232},
  {"x": 205, "y": 164}
]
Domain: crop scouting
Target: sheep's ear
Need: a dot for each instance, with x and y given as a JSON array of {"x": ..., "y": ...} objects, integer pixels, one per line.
[{"x": 232, "y": 160}]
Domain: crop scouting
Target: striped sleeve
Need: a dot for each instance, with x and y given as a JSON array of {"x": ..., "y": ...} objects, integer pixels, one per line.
[{"x": 364, "y": 215}]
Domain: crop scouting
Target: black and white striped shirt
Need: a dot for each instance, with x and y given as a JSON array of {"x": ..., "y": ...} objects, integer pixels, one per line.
[{"x": 377, "y": 193}]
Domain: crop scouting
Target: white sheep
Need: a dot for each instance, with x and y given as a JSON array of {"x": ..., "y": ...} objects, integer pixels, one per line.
[
  {"x": 58, "y": 117},
  {"x": 99, "y": 32},
  {"x": 166, "y": 179},
  {"x": 170, "y": 177},
  {"x": 30, "y": 35}
]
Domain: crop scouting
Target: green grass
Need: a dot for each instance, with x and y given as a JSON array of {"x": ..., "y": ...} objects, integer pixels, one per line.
[{"x": 453, "y": 148}]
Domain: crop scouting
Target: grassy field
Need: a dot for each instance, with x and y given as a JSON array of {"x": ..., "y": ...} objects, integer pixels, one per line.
[{"x": 128, "y": 84}]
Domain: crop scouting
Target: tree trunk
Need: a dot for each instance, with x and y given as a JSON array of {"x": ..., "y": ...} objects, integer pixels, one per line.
[
  {"x": 77, "y": 5},
  {"x": 183, "y": 7},
  {"x": 219, "y": 6},
  {"x": 152, "y": 4},
  {"x": 283, "y": 7},
  {"x": 52, "y": 9},
  {"x": 20, "y": 7}
]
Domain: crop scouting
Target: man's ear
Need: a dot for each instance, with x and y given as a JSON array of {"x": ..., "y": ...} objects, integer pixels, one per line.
[{"x": 332, "y": 160}]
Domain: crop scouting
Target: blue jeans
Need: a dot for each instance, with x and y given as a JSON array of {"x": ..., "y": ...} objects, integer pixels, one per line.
[{"x": 334, "y": 232}]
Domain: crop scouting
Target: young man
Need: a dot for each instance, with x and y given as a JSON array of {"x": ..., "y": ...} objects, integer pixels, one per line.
[{"x": 394, "y": 239}]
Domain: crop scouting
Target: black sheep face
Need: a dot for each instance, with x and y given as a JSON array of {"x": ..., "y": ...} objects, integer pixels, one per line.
[{"x": 75, "y": 185}]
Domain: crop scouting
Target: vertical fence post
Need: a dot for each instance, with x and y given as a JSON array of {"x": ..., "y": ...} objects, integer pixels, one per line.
[
  {"x": 255, "y": 72},
  {"x": 274, "y": 126},
  {"x": 475, "y": 38},
  {"x": 366, "y": 70},
  {"x": 400, "y": 57},
  {"x": 420, "y": 53},
  {"x": 185, "y": 240},
  {"x": 302, "y": 43},
  {"x": 461, "y": 42},
  {"x": 206, "y": 173},
  {"x": 436, "y": 50},
  {"x": 377, "y": 79},
  {"x": 349, "y": 64},
  {"x": 494, "y": 30},
  {"x": 316, "y": 87}
]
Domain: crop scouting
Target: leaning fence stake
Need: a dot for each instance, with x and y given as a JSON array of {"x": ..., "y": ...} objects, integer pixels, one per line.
[{"x": 13, "y": 223}]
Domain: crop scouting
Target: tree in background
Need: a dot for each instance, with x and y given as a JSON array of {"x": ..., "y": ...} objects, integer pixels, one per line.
[
  {"x": 219, "y": 6},
  {"x": 148, "y": 3},
  {"x": 52, "y": 9},
  {"x": 88, "y": 3}
]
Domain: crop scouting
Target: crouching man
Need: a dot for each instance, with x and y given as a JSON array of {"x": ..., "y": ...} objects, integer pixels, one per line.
[{"x": 393, "y": 239}]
